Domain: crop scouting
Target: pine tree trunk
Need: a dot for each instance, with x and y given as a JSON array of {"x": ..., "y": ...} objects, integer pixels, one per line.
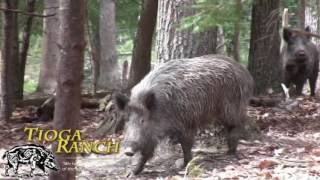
[
  {"x": 141, "y": 58},
  {"x": 25, "y": 44},
  {"x": 69, "y": 79},
  {"x": 264, "y": 53},
  {"x": 173, "y": 43},
  {"x": 47, "y": 78},
  {"x": 109, "y": 77}
]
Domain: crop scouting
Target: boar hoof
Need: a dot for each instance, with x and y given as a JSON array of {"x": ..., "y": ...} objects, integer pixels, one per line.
[
  {"x": 134, "y": 172},
  {"x": 234, "y": 154}
]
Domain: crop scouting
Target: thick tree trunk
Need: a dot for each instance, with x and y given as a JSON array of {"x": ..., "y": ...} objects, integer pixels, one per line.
[
  {"x": 109, "y": 77},
  {"x": 47, "y": 78},
  {"x": 9, "y": 61},
  {"x": 5, "y": 88},
  {"x": 264, "y": 53},
  {"x": 302, "y": 13},
  {"x": 25, "y": 44},
  {"x": 69, "y": 79},
  {"x": 237, "y": 33},
  {"x": 312, "y": 18},
  {"x": 13, "y": 40},
  {"x": 141, "y": 58},
  {"x": 173, "y": 43}
]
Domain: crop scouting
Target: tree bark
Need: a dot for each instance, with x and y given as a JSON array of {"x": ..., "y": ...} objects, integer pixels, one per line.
[
  {"x": 109, "y": 77},
  {"x": 237, "y": 32},
  {"x": 94, "y": 47},
  {"x": 13, "y": 45},
  {"x": 25, "y": 44},
  {"x": 302, "y": 13},
  {"x": 318, "y": 21},
  {"x": 5, "y": 88},
  {"x": 1, "y": 27},
  {"x": 69, "y": 79},
  {"x": 9, "y": 60},
  {"x": 47, "y": 79},
  {"x": 173, "y": 43},
  {"x": 141, "y": 58},
  {"x": 264, "y": 53}
]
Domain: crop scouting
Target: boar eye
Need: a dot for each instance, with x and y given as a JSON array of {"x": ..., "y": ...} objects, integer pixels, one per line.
[{"x": 141, "y": 121}]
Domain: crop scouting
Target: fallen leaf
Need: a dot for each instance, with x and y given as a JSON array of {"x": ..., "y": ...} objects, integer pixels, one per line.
[{"x": 265, "y": 164}]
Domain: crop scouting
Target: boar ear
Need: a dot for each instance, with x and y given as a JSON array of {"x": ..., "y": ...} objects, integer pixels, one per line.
[
  {"x": 287, "y": 33},
  {"x": 149, "y": 100},
  {"x": 121, "y": 100},
  {"x": 308, "y": 29}
]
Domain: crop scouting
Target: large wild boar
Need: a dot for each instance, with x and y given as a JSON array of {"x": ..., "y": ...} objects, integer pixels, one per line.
[
  {"x": 300, "y": 60},
  {"x": 179, "y": 97}
]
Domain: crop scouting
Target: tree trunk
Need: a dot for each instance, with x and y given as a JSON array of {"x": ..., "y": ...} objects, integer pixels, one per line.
[
  {"x": 5, "y": 88},
  {"x": 109, "y": 77},
  {"x": 302, "y": 13},
  {"x": 47, "y": 78},
  {"x": 69, "y": 79},
  {"x": 285, "y": 23},
  {"x": 93, "y": 51},
  {"x": 264, "y": 53},
  {"x": 13, "y": 45},
  {"x": 237, "y": 32},
  {"x": 25, "y": 44},
  {"x": 312, "y": 18},
  {"x": 318, "y": 22},
  {"x": 96, "y": 59},
  {"x": 173, "y": 43},
  {"x": 141, "y": 58},
  {"x": 9, "y": 60},
  {"x": 94, "y": 45},
  {"x": 1, "y": 27}
]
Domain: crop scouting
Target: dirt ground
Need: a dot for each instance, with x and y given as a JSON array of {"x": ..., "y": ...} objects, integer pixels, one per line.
[{"x": 289, "y": 148}]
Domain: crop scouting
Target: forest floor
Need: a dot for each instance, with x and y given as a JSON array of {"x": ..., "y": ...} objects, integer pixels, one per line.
[{"x": 289, "y": 148}]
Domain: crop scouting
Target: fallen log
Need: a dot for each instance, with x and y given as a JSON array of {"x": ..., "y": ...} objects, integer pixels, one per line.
[
  {"x": 88, "y": 100},
  {"x": 46, "y": 109}
]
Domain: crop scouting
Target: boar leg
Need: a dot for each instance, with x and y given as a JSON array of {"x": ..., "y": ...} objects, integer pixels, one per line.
[
  {"x": 142, "y": 161},
  {"x": 299, "y": 87},
  {"x": 186, "y": 145},
  {"x": 312, "y": 82},
  {"x": 234, "y": 133},
  {"x": 7, "y": 167},
  {"x": 145, "y": 156}
]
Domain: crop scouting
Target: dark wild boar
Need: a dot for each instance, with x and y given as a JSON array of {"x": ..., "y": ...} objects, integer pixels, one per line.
[
  {"x": 300, "y": 60},
  {"x": 179, "y": 97}
]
